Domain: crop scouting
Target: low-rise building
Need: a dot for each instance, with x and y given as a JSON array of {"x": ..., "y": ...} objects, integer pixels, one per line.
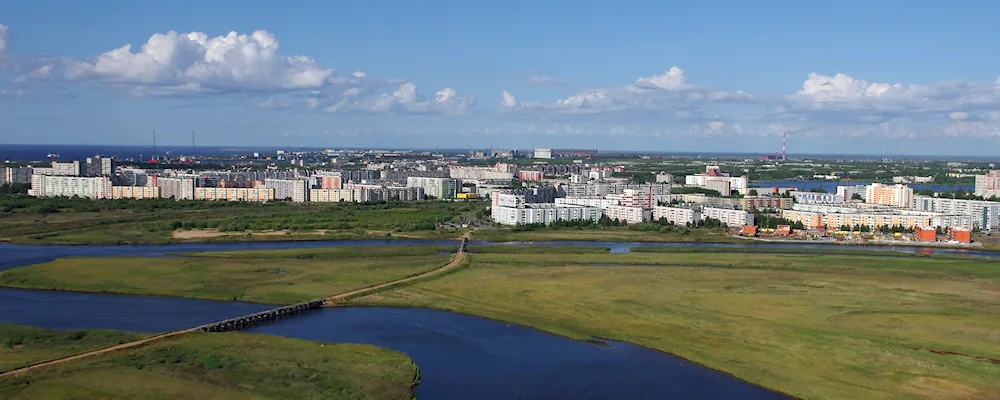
[
  {"x": 961, "y": 235},
  {"x": 925, "y": 233}
]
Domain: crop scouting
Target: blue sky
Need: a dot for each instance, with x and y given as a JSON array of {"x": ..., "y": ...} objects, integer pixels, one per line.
[{"x": 897, "y": 77}]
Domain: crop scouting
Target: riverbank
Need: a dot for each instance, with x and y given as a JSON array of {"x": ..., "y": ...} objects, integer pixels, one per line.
[
  {"x": 21, "y": 346},
  {"x": 814, "y": 326},
  {"x": 225, "y": 366},
  {"x": 264, "y": 276}
]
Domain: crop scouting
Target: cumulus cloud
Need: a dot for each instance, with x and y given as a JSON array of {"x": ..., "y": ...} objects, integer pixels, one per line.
[
  {"x": 668, "y": 92},
  {"x": 405, "y": 99},
  {"x": 35, "y": 74},
  {"x": 545, "y": 80},
  {"x": 509, "y": 101},
  {"x": 193, "y": 62}
]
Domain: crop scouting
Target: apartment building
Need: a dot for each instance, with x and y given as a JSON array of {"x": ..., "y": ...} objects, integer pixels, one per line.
[
  {"x": 984, "y": 215},
  {"x": 874, "y": 218},
  {"x": 988, "y": 185},
  {"x": 729, "y": 217},
  {"x": 544, "y": 213},
  {"x": 889, "y": 195},
  {"x": 296, "y": 190},
  {"x": 21, "y": 175},
  {"x": 530, "y": 175},
  {"x": 816, "y": 198},
  {"x": 677, "y": 215},
  {"x": 331, "y": 195},
  {"x": 754, "y": 203},
  {"x": 234, "y": 194},
  {"x": 177, "y": 188},
  {"x": 135, "y": 192},
  {"x": 439, "y": 188},
  {"x": 848, "y": 192},
  {"x": 629, "y": 214},
  {"x": 70, "y": 186},
  {"x": 599, "y": 202}
]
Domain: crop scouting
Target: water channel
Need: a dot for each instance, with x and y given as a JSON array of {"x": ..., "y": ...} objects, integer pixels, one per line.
[{"x": 460, "y": 356}]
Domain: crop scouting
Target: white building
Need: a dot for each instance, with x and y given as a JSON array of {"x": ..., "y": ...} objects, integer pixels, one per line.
[
  {"x": 479, "y": 173},
  {"x": 234, "y": 194},
  {"x": 296, "y": 190},
  {"x": 894, "y": 195},
  {"x": 544, "y": 213},
  {"x": 737, "y": 183},
  {"x": 70, "y": 186},
  {"x": 70, "y": 168},
  {"x": 439, "y": 188},
  {"x": 664, "y": 178},
  {"x": 599, "y": 202},
  {"x": 629, "y": 214},
  {"x": 677, "y": 215},
  {"x": 729, "y": 217},
  {"x": 816, "y": 216},
  {"x": 135, "y": 192},
  {"x": 543, "y": 153},
  {"x": 984, "y": 215},
  {"x": 848, "y": 192},
  {"x": 817, "y": 198},
  {"x": 988, "y": 185}
]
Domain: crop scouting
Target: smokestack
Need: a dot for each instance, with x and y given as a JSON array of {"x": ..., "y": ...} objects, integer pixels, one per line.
[
  {"x": 783, "y": 154},
  {"x": 154, "y": 144}
]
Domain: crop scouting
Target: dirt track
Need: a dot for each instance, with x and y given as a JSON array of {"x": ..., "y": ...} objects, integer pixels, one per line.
[
  {"x": 123, "y": 346},
  {"x": 454, "y": 263}
]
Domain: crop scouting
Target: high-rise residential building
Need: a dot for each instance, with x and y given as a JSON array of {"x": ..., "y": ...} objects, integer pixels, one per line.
[
  {"x": 135, "y": 192},
  {"x": 543, "y": 153},
  {"x": 70, "y": 186},
  {"x": 234, "y": 194},
  {"x": 98, "y": 166},
  {"x": 848, "y": 192},
  {"x": 713, "y": 174},
  {"x": 21, "y": 175},
  {"x": 889, "y": 195},
  {"x": 70, "y": 168},
  {"x": 439, "y": 188},
  {"x": 988, "y": 185},
  {"x": 296, "y": 190},
  {"x": 677, "y": 215},
  {"x": 817, "y": 198},
  {"x": 630, "y": 214},
  {"x": 984, "y": 215},
  {"x": 544, "y": 213},
  {"x": 730, "y": 217},
  {"x": 753, "y": 203},
  {"x": 179, "y": 188},
  {"x": 530, "y": 175}
]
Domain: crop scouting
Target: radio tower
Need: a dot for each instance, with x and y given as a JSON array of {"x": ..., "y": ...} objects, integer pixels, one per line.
[
  {"x": 154, "y": 144},
  {"x": 783, "y": 154}
]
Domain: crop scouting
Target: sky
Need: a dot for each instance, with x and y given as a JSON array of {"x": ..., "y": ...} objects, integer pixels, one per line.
[{"x": 863, "y": 77}]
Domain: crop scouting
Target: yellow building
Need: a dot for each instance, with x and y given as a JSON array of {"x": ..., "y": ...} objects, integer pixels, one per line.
[
  {"x": 234, "y": 194},
  {"x": 331, "y": 195},
  {"x": 468, "y": 196},
  {"x": 135, "y": 192}
]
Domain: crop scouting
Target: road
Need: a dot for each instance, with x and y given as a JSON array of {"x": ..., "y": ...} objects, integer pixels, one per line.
[{"x": 455, "y": 262}]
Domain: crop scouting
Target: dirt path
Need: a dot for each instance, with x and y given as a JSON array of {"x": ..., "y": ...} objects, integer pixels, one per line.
[
  {"x": 123, "y": 346},
  {"x": 455, "y": 262}
]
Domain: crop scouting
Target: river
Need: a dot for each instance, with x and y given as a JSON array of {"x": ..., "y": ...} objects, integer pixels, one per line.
[{"x": 460, "y": 356}]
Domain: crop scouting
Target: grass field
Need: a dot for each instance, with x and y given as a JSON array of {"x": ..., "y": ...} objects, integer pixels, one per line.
[
  {"x": 815, "y": 326},
  {"x": 274, "y": 276},
  {"x": 225, "y": 366},
  {"x": 21, "y": 346},
  {"x": 605, "y": 234},
  {"x": 83, "y": 221}
]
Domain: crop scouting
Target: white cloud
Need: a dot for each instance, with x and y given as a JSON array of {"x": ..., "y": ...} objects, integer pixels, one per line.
[
  {"x": 959, "y": 115},
  {"x": 3, "y": 39},
  {"x": 405, "y": 99},
  {"x": 668, "y": 93},
  {"x": 195, "y": 63},
  {"x": 545, "y": 80},
  {"x": 509, "y": 101},
  {"x": 36, "y": 74},
  {"x": 716, "y": 125}
]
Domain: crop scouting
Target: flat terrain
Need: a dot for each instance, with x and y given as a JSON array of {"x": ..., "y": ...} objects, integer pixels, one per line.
[
  {"x": 826, "y": 326},
  {"x": 84, "y": 221},
  {"x": 605, "y": 234},
  {"x": 225, "y": 366},
  {"x": 21, "y": 346},
  {"x": 272, "y": 276}
]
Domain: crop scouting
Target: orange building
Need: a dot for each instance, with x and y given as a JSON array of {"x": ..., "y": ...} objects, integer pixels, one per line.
[
  {"x": 783, "y": 230},
  {"x": 925, "y": 233},
  {"x": 961, "y": 235},
  {"x": 750, "y": 230}
]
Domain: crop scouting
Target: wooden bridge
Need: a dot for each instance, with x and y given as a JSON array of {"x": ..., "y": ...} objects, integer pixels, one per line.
[{"x": 252, "y": 320}]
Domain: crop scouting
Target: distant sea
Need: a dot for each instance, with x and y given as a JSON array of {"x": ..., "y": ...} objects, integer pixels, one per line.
[
  {"x": 831, "y": 186},
  {"x": 34, "y": 152}
]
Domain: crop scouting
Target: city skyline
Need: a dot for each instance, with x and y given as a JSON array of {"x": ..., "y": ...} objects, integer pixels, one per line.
[{"x": 651, "y": 77}]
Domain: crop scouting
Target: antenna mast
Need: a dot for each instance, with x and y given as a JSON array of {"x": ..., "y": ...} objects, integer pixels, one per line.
[
  {"x": 783, "y": 154},
  {"x": 154, "y": 144}
]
